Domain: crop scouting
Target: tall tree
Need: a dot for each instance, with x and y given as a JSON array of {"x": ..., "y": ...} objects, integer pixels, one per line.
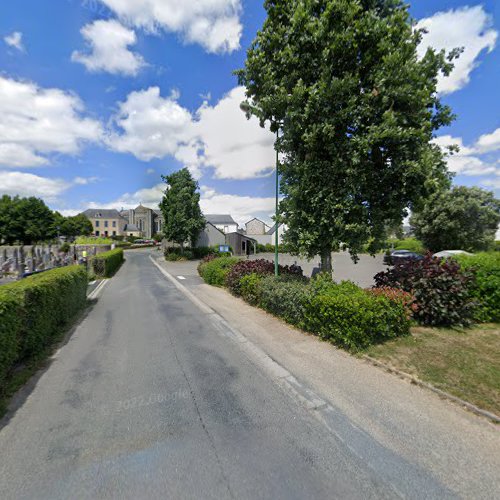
[
  {"x": 357, "y": 109},
  {"x": 181, "y": 208},
  {"x": 460, "y": 219},
  {"x": 72, "y": 226}
]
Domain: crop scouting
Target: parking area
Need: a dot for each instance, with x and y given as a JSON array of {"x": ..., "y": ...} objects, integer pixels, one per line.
[{"x": 344, "y": 268}]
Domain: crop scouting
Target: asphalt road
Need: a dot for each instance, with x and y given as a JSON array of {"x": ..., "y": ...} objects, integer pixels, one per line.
[{"x": 148, "y": 400}]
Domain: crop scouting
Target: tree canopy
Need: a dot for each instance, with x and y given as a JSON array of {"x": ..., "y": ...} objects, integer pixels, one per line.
[
  {"x": 459, "y": 219},
  {"x": 181, "y": 208},
  {"x": 29, "y": 220},
  {"x": 357, "y": 110}
]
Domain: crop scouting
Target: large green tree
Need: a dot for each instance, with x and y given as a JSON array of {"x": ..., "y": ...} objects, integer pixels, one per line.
[
  {"x": 72, "y": 226},
  {"x": 459, "y": 219},
  {"x": 357, "y": 110},
  {"x": 25, "y": 220},
  {"x": 181, "y": 208}
]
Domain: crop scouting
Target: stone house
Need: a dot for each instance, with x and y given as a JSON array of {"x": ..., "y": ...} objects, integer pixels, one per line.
[{"x": 106, "y": 222}]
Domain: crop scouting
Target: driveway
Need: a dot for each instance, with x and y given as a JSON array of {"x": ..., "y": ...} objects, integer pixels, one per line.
[
  {"x": 344, "y": 268},
  {"x": 158, "y": 396}
]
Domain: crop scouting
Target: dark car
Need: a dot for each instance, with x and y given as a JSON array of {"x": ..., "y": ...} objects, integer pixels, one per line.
[{"x": 401, "y": 256}]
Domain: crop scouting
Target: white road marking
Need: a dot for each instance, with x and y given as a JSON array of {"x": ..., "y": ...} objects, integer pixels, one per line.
[{"x": 181, "y": 277}]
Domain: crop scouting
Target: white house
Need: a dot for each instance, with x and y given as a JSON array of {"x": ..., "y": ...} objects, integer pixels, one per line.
[{"x": 223, "y": 222}]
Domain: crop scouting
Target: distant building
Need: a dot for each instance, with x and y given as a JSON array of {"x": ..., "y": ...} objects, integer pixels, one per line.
[
  {"x": 262, "y": 233},
  {"x": 142, "y": 222},
  {"x": 223, "y": 222},
  {"x": 106, "y": 222}
]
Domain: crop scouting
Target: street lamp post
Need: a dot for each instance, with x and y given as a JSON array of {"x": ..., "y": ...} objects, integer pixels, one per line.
[{"x": 247, "y": 109}]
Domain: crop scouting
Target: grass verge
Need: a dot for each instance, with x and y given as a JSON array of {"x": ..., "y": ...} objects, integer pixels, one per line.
[{"x": 465, "y": 363}]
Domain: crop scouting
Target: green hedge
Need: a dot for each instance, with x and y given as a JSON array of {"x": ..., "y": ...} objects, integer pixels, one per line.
[
  {"x": 486, "y": 268},
  {"x": 104, "y": 265},
  {"x": 343, "y": 313},
  {"x": 214, "y": 272},
  {"x": 34, "y": 310}
]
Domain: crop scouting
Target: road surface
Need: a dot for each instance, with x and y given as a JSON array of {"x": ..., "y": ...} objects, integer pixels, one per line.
[{"x": 149, "y": 400}]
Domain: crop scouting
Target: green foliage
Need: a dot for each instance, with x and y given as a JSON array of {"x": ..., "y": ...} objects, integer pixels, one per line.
[
  {"x": 93, "y": 240},
  {"x": 25, "y": 220},
  {"x": 486, "y": 268},
  {"x": 214, "y": 271},
  {"x": 250, "y": 288},
  {"x": 284, "y": 297},
  {"x": 70, "y": 227},
  {"x": 463, "y": 218},
  {"x": 351, "y": 317},
  {"x": 357, "y": 109},
  {"x": 65, "y": 247},
  {"x": 178, "y": 254},
  {"x": 34, "y": 310},
  {"x": 411, "y": 244},
  {"x": 442, "y": 291},
  {"x": 106, "y": 264},
  {"x": 181, "y": 208}
]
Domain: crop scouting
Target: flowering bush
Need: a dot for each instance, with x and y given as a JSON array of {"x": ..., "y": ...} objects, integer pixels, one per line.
[
  {"x": 260, "y": 267},
  {"x": 442, "y": 290},
  {"x": 406, "y": 299}
]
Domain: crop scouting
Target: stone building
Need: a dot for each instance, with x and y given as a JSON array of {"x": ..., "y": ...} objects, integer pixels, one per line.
[{"x": 106, "y": 222}]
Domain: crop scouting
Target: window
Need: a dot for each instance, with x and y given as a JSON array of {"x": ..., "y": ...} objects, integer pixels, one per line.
[
  {"x": 96, "y": 223},
  {"x": 114, "y": 233},
  {"x": 105, "y": 223},
  {"x": 97, "y": 233},
  {"x": 114, "y": 224},
  {"x": 226, "y": 229}
]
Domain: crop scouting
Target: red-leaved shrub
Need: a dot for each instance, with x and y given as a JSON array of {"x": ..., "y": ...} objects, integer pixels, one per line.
[
  {"x": 442, "y": 290},
  {"x": 260, "y": 267}
]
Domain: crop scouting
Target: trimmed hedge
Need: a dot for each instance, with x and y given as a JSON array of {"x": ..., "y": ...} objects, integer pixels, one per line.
[
  {"x": 105, "y": 264},
  {"x": 344, "y": 314},
  {"x": 35, "y": 309},
  {"x": 214, "y": 270},
  {"x": 351, "y": 317},
  {"x": 486, "y": 268}
]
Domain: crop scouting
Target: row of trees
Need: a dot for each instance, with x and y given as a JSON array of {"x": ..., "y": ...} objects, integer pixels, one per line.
[{"x": 29, "y": 220}]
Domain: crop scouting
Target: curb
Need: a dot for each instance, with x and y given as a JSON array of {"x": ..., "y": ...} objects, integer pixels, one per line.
[{"x": 445, "y": 395}]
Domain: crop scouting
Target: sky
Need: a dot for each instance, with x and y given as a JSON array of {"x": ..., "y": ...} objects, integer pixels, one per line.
[{"x": 99, "y": 98}]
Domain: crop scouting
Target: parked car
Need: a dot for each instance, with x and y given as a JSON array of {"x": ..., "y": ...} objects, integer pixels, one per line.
[
  {"x": 401, "y": 256},
  {"x": 444, "y": 254}
]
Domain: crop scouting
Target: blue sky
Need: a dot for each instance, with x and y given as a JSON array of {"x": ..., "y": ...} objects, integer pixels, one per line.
[{"x": 100, "y": 97}]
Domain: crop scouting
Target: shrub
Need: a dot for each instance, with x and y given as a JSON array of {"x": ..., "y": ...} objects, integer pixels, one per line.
[
  {"x": 351, "y": 317},
  {"x": 65, "y": 247},
  {"x": 405, "y": 299},
  {"x": 284, "y": 296},
  {"x": 250, "y": 288},
  {"x": 410, "y": 244},
  {"x": 33, "y": 311},
  {"x": 261, "y": 267},
  {"x": 93, "y": 240},
  {"x": 214, "y": 270},
  {"x": 441, "y": 289},
  {"x": 486, "y": 269},
  {"x": 106, "y": 264}
]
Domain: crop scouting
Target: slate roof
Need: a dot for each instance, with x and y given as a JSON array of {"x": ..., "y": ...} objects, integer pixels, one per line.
[
  {"x": 131, "y": 227},
  {"x": 219, "y": 219},
  {"x": 104, "y": 213}
]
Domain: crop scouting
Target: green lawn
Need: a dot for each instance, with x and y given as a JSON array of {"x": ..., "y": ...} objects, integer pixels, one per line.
[{"x": 465, "y": 363}]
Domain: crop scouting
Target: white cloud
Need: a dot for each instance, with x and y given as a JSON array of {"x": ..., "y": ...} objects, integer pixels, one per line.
[
  {"x": 23, "y": 184},
  {"x": 149, "y": 197},
  {"x": 15, "y": 40},
  {"x": 35, "y": 122},
  {"x": 468, "y": 27},
  {"x": 242, "y": 208},
  {"x": 213, "y": 24},
  {"x": 84, "y": 181},
  {"x": 467, "y": 161},
  {"x": 109, "y": 43},
  {"x": 489, "y": 142},
  {"x": 237, "y": 148},
  {"x": 151, "y": 126}
]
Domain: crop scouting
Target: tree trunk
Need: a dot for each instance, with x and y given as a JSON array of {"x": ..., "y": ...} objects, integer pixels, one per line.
[{"x": 326, "y": 261}]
